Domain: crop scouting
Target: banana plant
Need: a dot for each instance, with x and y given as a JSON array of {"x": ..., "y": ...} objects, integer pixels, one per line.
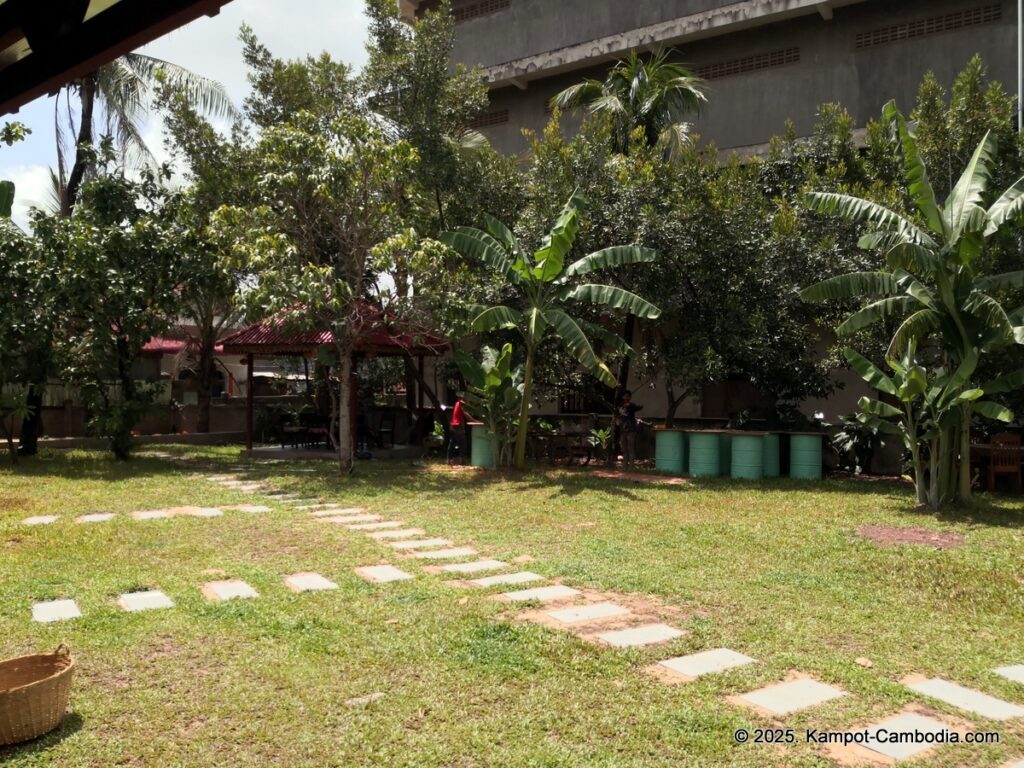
[
  {"x": 494, "y": 396},
  {"x": 928, "y": 416},
  {"x": 930, "y": 285},
  {"x": 548, "y": 285}
]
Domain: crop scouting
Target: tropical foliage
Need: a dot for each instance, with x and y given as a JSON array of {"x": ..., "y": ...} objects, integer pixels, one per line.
[
  {"x": 494, "y": 396},
  {"x": 653, "y": 94},
  {"x": 930, "y": 286},
  {"x": 546, "y": 285}
]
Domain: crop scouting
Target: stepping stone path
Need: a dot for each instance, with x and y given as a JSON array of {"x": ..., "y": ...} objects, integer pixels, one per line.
[
  {"x": 96, "y": 517},
  {"x": 151, "y": 514},
  {"x": 967, "y": 699},
  {"x": 477, "y": 566},
  {"x": 206, "y": 512},
  {"x": 445, "y": 554},
  {"x": 792, "y": 696},
  {"x": 907, "y": 723},
  {"x": 308, "y": 582},
  {"x": 1014, "y": 673},
  {"x": 55, "y": 610},
  {"x": 382, "y": 574},
  {"x": 636, "y": 637},
  {"x": 375, "y": 526},
  {"x": 585, "y": 613},
  {"x": 421, "y": 544},
  {"x": 228, "y": 590},
  {"x": 543, "y": 594},
  {"x": 401, "y": 533},
  {"x": 41, "y": 520},
  {"x": 523, "y": 577},
  {"x": 337, "y": 512},
  {"x": 149, "y": 600},
  {"x": 706, "y": 663}
]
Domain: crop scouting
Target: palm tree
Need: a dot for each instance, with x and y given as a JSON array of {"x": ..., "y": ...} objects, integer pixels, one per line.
[
  {"x": 930, "y": 283},
  {"x": 122, "y": 90},
  {"x": 654, "y": 95},
  {"x": 545, "y": 284}
]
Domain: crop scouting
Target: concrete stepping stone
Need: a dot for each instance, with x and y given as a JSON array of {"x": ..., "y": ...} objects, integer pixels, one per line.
[
  {"x": 308, "y": 582},
  {"x": 251, "y": 508},
  {"x": 382, "y": 574},
  {"x": 583, "y": 613},
  {"x": 477, "y": 566},
  {"x": 522, "y": 577},
  {"x": 421, "y": 543},
  {"x": 791, "y": 696},
  {"x": 41, "y": 520},
  {"x": 151, "y": 514},
  {"x": 400, "y": 533},
  {"x": 320, "y": 505},
  {"x": 148, "y": 600},
  {"x": 382, "y": 525},
  {"x": 336, "y": 512},
  {"x": 906, "y": 723},
  {"x": 445, "y": 554},
  {"x": 1014, "y": 672},
  {"x": 50, "y": 611},
  {"x": 637, "y": 637},
  {"x": 706, "y": 663},
  {"x": 350, "y": 519},
  {"x": 206, "y": 512},
  {"x": 967, "y": 699},
  {"x": 95, "y": 517},
  {"x": 231, "y": 589},
  {"x": 543, "y": 594}
]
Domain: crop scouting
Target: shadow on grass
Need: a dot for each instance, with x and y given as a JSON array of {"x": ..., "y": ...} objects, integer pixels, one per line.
[{"x": 70, "y": 725}]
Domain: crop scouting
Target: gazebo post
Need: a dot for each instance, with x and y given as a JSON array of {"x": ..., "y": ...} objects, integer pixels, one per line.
[
  {"x": 249, "y": 384},
  {"x": 419, "y": 386}
]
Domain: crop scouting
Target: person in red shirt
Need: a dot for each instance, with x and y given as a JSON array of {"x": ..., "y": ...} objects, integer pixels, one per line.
[{"x": 457, "y": 432}]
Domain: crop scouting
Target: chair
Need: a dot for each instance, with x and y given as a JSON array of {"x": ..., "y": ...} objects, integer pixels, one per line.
[{"x": 1005, "y": 459}]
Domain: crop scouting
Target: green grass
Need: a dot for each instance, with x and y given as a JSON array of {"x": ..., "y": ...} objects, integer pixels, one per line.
[{"x": 774, "y": 570}]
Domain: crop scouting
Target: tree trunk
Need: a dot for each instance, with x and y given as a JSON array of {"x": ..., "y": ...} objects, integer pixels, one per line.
[
  {"x": 673, "y": 404},
  {"x": 87, "y": 99},
  {"x": 121, "y": 431},
  {"x": 28, "y": 441},
  {"x": 524, "y": 411},
  {"x": 206, "y": 369},
  {"x": 965, "y": 454},
  {"x": 344, "y": 441},
  {"x": 628, "y": 331}
]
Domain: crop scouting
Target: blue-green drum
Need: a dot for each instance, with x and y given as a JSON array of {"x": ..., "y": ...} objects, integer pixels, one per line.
[
  {"x": 704, "y": 453},
  {"x": 805, "y": 457},
  {"x": 670, "y": 451},
  {"x": 481, "y": 452},
  {"x": 747, "y": 457}
]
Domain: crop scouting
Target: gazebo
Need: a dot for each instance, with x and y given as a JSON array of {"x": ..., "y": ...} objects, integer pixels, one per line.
[{"x": 376, "y": 335}]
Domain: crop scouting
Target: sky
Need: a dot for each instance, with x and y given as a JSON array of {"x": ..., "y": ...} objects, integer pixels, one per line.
[{"x": 210, "y": 47}]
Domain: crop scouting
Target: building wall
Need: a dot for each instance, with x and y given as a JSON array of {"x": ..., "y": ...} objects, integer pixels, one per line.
[{"x": 792, "y": 66}]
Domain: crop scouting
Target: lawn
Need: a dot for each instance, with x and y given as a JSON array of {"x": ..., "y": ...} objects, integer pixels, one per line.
[{"x": 775, "y": 570}]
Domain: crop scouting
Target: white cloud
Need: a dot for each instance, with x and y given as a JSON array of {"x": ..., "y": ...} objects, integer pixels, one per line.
[{"x": 31, "y": 190}]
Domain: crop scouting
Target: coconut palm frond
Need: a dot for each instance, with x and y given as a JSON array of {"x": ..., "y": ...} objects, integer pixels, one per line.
[{"x": 205, "y": 94}]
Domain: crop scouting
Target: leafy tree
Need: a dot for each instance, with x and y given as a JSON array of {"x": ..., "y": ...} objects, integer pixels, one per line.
[
  {"x": 545, "y": 287},
  {"x": 117, "y": 265},
  {"x": 332, "y": 187},
  {"x": 930, "y": 285},
  {"x": 654, "y": 95}
]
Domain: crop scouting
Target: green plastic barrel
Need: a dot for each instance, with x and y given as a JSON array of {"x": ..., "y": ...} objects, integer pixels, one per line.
[
  {"x": 724, "y": 454},
  {"x": 747, "y": 457},
  {"x": 771, "y": 456},
  {"x": 704, "y": 453},
  {"x": 481, "y": 453},
  {"x": 669, "y": 451},
  {"x": 805, "y": 457}
]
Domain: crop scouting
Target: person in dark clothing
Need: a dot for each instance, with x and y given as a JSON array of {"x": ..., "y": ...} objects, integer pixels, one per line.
[
  {"x": 457, "y": 432},
  {"x": 625, "y": 416}
]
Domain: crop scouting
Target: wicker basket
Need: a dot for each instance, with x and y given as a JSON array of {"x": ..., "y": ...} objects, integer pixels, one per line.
[{"x": 34, "y": 693}]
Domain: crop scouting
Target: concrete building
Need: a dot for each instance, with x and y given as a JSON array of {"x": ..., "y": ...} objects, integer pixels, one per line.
[{"x": 766, "y": 61}]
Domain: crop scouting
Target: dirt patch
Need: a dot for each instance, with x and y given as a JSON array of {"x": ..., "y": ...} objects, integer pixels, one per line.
[
  {"x": 889, "y": 536},
  {"x": 639, "y": 477},
  {"x": 13, "y": 504}
]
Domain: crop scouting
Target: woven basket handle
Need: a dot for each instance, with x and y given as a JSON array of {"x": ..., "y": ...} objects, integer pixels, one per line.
[{"x": 62, "y": 650}]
